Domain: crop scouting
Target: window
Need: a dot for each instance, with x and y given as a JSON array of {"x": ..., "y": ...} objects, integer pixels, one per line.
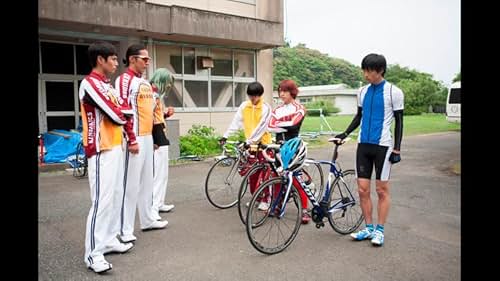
[
  {"x": 243, "y": 64},
  {"x": 222, "y": 87},
  {"x": 60, "y": 96},
  {"x": 304, "y": 100},
  {"x": 198, "y": 91},
  {"x": 174, "y": 96},
  {"x": 222, "y": 94},
  {"x": 455, "y": 95},
  {"x": 82, "y": 60},
  {"x": 63, "y": 66},
  {"x": 240, "y": 93},
  {"x": 169, "y": 57},
  {"x": 60, "y": 122},
  {"x": 189, "y": 61},
  {"x": 223, "y": 63},
  {"x": 57, "y": 58}
]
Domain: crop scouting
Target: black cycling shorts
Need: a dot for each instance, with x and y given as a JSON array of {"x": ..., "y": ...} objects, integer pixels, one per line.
[{"x": 369, "y": 155}]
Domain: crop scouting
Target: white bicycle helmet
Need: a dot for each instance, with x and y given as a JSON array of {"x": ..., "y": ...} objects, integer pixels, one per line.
[{"x": 293, "y": 154}]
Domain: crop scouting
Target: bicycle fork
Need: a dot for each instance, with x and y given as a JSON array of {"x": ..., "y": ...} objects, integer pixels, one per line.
[
  {"x": 228, "y": 180},
  {"x": 282, "y": 196}
]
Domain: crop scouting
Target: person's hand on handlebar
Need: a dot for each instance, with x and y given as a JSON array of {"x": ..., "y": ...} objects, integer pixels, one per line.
[{"x": 341, "y": 136}]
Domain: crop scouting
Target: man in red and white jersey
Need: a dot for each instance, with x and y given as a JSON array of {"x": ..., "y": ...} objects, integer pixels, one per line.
[
  {"x": 102, "y": 121},
  {"x": 137, "y": 94},
  {"x": 286, "y": 120}
]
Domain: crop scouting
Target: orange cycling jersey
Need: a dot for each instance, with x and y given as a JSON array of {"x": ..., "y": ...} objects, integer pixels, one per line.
[
  {"x": 102, "y": 118},
  {"x": 137, "y": 94}
]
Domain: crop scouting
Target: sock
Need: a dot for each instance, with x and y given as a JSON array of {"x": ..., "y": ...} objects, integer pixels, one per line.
[
  {"x": 369, "y": 226},
  {"x": 380, "y": 227}
]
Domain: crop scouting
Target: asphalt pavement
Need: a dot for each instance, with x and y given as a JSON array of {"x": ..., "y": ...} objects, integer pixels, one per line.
[{"x": 422, "y": 234}]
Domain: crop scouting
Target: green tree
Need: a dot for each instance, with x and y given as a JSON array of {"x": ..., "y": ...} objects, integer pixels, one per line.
[
  {"x": 419, "y": 88},
  {"x": 310, "y": 67},
  {"x": 458, "y": 77}
]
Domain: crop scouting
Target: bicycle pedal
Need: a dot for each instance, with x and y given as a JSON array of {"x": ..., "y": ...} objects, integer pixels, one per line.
[{"x": 320, "y": 224}]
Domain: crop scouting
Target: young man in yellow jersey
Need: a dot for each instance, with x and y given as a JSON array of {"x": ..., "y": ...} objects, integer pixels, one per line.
[{"x": 253, "y": 115}]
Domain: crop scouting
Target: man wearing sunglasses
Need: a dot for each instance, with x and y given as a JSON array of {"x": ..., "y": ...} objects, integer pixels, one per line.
[{"x": 137, "y": 94}]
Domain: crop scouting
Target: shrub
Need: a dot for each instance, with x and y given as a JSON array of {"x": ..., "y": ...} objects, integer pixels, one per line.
[{"x": 200, "y": 141}]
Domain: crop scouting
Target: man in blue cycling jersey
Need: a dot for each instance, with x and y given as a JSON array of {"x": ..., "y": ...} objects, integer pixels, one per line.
[{"x": 378, "y": 104}]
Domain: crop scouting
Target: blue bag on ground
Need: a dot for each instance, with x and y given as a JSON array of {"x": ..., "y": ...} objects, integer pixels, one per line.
[{"x": 59, "y": 147}]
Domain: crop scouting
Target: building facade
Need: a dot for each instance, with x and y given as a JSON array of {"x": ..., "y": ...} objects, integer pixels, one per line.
[
  {"x": 343, "y": 97},
  {"x": 214, "y": 48}
]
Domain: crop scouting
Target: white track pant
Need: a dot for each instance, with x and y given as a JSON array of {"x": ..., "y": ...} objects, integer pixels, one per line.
[
  {"x": 105, "y": 172},
  {"x": 138, "y": 187},
  {"x": 160, "y": 178}
]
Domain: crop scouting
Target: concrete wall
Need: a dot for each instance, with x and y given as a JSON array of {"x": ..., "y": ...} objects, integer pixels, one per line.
[
  {"x": 175, "y": 23},
  {"x": 265, "y": 73},
  {"x": 269, "y": 10},
  {"x": 348, "y": 104},
  {"x": 218, "y": 6}
]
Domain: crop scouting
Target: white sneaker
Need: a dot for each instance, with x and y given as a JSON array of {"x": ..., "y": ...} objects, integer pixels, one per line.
[
  {"x": 167, "y": 208},
  {"x": 157, "y": 217},
  {"x": 128, "y": 238},
  {"x": 263, "y": 206},
  {"x": 118, "y": 248},
  {"x": 101, "y": 266},
  {"x": 156, "y": 225}
]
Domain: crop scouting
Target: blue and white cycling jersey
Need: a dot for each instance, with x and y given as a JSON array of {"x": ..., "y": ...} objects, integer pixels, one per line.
[{"x": 379, "y": 103}]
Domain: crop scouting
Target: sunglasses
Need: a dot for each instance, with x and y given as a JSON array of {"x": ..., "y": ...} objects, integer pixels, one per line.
[{"x": 144, "y": 58}]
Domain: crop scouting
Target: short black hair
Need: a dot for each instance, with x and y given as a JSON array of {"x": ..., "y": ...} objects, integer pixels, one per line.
[
  {"x": 133, "y": 50},
  {"x": 103, "y": 49},
  {"x": 255, "y": 89},
  {"x": 374, "y": 62}
]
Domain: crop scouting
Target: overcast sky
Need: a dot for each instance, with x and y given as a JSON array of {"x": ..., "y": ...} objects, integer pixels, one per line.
[{"x": 419, "y": 34}]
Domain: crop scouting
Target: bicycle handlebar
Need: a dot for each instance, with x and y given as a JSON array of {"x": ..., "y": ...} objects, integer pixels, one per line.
[
  {"x": 338, "y": 141},
  {"x": 272, "y": 146}
]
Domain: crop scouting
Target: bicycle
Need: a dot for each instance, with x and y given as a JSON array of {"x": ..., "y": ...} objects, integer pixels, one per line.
[
  {"x": 81, "y": 164},
  {"x": 264, "y": 170},
  {"x": 224, "y": 177},
  {"x": 340, "y": 204}
]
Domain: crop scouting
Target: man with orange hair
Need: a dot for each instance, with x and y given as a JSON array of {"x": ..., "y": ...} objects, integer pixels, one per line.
[{"x": 286, "y": 120}]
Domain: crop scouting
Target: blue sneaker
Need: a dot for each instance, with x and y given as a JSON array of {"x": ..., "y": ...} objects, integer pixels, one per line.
[
  {"x": 362, "y": 235},
  {"x": 378, "y": 238}
]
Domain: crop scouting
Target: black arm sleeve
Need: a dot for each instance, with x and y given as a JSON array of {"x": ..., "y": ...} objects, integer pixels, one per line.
[
  {"x": 398, "y": 129},
  {"x": 355, "y": 121}
]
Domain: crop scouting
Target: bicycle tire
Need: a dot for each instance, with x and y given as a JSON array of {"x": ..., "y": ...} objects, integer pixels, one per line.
[
  {"x": 222, "y": 183},
  {"x": 244, "y": 195},
  {"x": 80, "y": 168},
  {"x": 315, "y": 171},
  {"x": 263, "y": 222},
  {"x": 347, "y": 219}
]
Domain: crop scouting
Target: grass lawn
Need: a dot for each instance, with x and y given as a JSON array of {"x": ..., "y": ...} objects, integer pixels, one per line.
[{"x": 412, "y": 125}]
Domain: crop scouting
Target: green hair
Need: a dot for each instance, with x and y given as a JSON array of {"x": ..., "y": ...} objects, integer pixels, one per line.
[{"x": 161, "y": 78}]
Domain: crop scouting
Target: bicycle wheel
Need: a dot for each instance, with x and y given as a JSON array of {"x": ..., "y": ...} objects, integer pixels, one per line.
[
  {"x": 223, "y": 182},
  {"x": 80, "y": 167},
  {"x": 258, "y": 173},
  {"x": 315, "y": 172},
  {"x": 267, "y": 231},
  {"x": 345, "y": 219}
]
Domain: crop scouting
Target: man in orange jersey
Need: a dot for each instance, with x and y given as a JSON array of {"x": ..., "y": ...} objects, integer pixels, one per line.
[
  {"x": 137, "y": 94},
  {"x": 102, "y": 121}
]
